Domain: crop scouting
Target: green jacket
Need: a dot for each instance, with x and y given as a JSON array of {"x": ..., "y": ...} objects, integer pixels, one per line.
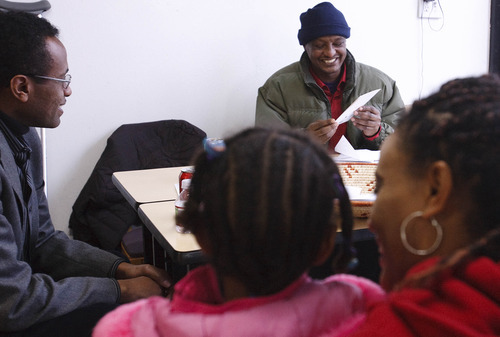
[{"x": 292, "y": 97}]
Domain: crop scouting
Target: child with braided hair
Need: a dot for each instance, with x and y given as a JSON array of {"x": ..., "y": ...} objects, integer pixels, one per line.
[
  {"x": 264, "y": 207},
  {"x": 436, "y": 216}
]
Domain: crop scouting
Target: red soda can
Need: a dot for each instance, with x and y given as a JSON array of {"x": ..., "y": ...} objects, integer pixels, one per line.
[{"x": 186, "y": 173}]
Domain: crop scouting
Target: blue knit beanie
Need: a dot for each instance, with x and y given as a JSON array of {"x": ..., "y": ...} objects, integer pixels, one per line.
[{"x": 322, "y": 20}]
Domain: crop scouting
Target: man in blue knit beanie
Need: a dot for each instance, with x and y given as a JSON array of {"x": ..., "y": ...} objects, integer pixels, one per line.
[{"x": 313, "y": 92}]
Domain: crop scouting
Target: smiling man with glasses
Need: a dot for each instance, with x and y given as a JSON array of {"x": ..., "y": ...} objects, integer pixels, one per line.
[{"x": 50, "y": 285}]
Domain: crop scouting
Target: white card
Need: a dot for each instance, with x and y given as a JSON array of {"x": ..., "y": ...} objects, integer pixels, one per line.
[{"x": 360, "y": 101}]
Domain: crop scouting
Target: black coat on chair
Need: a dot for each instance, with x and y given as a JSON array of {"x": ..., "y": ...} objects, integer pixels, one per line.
[{"x": 101, "y": 215}]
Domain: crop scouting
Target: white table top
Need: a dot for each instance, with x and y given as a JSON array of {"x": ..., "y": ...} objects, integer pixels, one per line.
[
  {"x": 152, "y": 193},
  {"x": 159, "y": 217},
  {"x": 146, "y": 186}
]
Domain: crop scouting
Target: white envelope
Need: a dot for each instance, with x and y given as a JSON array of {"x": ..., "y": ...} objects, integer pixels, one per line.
[
  {"x": 360, "y": 101},
  {"x": 348, "y": 153}
]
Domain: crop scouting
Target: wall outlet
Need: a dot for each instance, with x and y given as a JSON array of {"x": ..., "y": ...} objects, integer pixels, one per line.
[{"x": 429, "y": 9}]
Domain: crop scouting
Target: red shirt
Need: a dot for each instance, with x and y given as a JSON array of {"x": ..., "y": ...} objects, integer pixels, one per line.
[
  {"x": 464, "y": 303},
  {"x": 335, "y": 103},
  {"x": 335, "y": 100}
]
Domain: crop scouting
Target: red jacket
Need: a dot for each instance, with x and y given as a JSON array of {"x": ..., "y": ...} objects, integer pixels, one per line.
[{"x": 467, "y": 304}]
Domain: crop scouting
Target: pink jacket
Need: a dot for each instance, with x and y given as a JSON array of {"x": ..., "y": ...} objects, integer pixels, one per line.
[{"x": 331, "y": 307}]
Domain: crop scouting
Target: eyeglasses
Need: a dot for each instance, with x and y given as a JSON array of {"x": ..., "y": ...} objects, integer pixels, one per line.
[{"x": 66, "y": 81}]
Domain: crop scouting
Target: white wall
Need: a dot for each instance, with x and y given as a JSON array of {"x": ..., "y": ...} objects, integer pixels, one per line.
[{"x": 202, "y": 61}]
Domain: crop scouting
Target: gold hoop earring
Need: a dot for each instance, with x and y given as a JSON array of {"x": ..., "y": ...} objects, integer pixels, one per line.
[{"x": 421, "y": 252}]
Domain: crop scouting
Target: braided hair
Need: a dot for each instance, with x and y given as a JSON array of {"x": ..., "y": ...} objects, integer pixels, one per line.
[
  {"x": 460, "y": 124},
  {"x": 265, "y": 205}
]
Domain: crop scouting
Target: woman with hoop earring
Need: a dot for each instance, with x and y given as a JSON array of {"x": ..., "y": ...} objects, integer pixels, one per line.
[{"x": 436, "y": 217}]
